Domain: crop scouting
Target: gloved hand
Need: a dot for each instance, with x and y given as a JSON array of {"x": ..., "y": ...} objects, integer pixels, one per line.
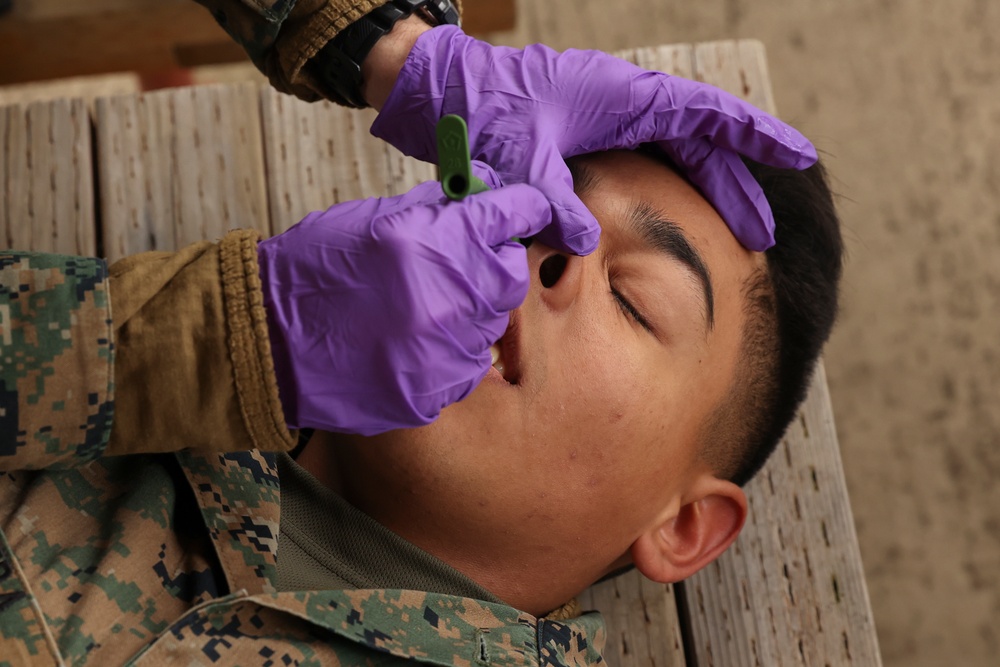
[
  {"x": 528, "y": 110},
  {"x": 381, "y": 312}
]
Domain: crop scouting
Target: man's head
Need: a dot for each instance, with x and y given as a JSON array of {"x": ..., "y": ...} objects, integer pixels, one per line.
[
  {"x": 630, "y": 398},
  {"x": 790, "y": 306}
]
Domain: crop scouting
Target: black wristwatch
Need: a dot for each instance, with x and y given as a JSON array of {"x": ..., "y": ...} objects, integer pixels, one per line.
[{"x": 337, "y": 66}]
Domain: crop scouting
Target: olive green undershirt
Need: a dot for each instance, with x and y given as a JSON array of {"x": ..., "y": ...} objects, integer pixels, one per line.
[{"x": 324, "y": 543}]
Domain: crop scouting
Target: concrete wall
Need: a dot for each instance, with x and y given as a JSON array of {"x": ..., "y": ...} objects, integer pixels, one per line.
[{"x": 903, "y": 98}]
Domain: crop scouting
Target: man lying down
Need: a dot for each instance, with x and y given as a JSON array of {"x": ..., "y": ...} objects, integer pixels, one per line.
[
  {"x": 487, "y": 427},
  {"x": 634, "y": 391}
]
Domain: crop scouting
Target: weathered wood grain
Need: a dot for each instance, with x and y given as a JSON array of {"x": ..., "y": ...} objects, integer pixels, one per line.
[
  {"x": 791, "y": 591},
  {"x": 321, "y": 154},
  {"x": 85, "y": 87},
  {"x": 46, "y": 178},
  {"x": 179, "y": 166},
  {"x": 62, "y": 38},
  {"x": 642, "y": 623}
]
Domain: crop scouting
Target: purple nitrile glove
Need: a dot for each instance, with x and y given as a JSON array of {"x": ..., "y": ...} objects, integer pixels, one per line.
[
  {"x": 381, "y": 312},
  {"x": 529, "y": 109}
]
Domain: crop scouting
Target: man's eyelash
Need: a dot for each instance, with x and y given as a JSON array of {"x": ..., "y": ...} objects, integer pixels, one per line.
[{"x": 630, "y": 310}]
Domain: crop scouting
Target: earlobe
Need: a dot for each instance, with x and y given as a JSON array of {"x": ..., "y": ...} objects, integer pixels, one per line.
[{"x": 690, "y": 538}]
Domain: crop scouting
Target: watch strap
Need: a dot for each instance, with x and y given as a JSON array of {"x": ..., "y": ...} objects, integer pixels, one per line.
[{"x": 337, "y": 66}]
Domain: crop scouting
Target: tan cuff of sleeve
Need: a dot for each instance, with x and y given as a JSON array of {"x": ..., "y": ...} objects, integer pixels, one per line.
[
  {"x": 249, "y": 345},
  {"x": 301, "y": 45},
  {"x": 193, "y": 364}
]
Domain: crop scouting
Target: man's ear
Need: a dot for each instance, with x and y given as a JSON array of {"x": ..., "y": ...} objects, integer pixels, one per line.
[{"x": 686, "y": 539}]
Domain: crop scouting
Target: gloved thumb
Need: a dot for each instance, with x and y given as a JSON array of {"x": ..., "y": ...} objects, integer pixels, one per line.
[
  {"x": 574, "y": 229},
  {"x": 486, "y": 174}
]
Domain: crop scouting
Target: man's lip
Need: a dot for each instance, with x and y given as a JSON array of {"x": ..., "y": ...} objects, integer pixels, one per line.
[{"x": 493, "y": 375}]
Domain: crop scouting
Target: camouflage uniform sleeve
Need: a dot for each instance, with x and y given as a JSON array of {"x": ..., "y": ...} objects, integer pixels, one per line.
[
  {"x": 56, "y": 359},
  {"x": 280, "y": 36},
  {"x": 194, "y": 365},
  {"x": 185, "y": 360}
]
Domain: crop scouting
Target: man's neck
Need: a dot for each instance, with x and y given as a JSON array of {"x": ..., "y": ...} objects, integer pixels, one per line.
[{"x": 532, "y": 580}]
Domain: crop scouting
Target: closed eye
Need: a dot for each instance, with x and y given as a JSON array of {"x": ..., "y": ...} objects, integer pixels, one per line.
[{"x": 630, "y": 310}]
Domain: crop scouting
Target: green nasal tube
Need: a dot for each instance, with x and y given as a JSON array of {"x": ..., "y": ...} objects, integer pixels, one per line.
[{"x": 454, "y": 163}]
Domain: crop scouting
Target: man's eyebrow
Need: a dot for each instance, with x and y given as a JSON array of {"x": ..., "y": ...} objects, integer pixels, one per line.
[{"x": 665, "y": 236}]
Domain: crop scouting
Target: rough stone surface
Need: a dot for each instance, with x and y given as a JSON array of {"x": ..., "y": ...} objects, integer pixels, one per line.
[{"x": 903, "y": 98}]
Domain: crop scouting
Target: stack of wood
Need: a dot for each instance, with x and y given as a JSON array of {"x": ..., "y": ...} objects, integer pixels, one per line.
[{"x": 46, "y": 39}]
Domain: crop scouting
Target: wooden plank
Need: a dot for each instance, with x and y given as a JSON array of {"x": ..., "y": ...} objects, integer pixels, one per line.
[
  {"x": 791, "y": 591},
  {"x": 144, "y": 39},
  {"x": 46, "y": 178},
  {"x": 179, "y": 166},
  {"x": 738, "y": 67},
  {"x": 51, "y": 39},
  {"x": 320, "y": 154},
  {"x": 642, "y": 623},
  {"x": 479, "y": 16},
  {"x": 36, "y": 10},
  {"x": 87, "y": 88},
  {"x": 243, "y": 72}
]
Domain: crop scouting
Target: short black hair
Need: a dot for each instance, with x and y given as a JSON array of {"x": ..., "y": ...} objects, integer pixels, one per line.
[{"x": 790, "y": 308}]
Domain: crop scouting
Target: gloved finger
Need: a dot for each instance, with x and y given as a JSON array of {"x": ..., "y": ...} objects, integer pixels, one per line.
[
  {"x": 486, "y": 174},
  {"x": 428, "y": 192},
  {"x": 510, "y": 291},
  {"x": 728, "y": 185},
  {"x": 574, "y": 229},
  {"x": 514, "y": 210},
  {"x": 649, "y": 106},
  {"x": 736, "y": 125},
  {"x": 477, "y": 334}
]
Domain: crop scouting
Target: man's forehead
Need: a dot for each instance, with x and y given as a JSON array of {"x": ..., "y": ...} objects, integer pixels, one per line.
[{"x": 623, "y": 176}]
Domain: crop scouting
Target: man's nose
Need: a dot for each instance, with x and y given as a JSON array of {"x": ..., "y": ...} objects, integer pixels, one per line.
[{"x": 559, "y": 276}]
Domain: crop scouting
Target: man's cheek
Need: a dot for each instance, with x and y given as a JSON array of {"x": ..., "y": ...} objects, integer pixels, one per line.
[{"x": 605, "y": 396}]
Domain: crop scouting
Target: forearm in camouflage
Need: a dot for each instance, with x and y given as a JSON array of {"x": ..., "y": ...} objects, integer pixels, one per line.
[{"x": 56, "y": 359}]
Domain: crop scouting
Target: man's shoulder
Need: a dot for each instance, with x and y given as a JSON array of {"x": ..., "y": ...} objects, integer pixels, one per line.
[
  {"x": 103, "y": 540},
  {"x": 56, "y": 340}
]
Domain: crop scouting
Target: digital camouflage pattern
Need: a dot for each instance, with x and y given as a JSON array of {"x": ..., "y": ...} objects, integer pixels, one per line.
[
  {"x": 169, "y": 559},
  {"x": 55, "y": 326},
  {"x": 281, "y": 35}
]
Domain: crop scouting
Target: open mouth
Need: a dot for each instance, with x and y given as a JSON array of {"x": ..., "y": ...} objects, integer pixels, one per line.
[{"x": 504, "y": 353}]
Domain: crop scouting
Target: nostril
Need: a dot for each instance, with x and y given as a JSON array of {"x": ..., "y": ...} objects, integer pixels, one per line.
[{"x": 552, "y": 269}]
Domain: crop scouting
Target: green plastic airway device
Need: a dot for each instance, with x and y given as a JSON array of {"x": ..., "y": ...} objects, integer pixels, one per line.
[{"x": 454, "y": 163}]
